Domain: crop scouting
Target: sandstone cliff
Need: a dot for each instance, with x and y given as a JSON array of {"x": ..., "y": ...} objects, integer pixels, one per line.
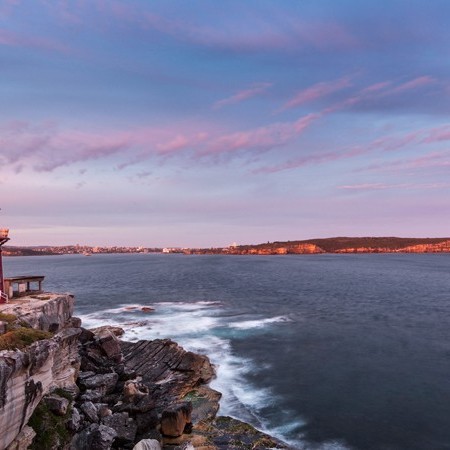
[{"x": 27, "y": 375}]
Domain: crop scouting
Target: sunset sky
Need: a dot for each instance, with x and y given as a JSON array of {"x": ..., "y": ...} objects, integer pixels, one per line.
[{"x": 205, "y": 122}]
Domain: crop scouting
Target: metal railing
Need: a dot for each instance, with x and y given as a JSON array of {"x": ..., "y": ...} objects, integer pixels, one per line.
[{"x": 4, "y": 296}]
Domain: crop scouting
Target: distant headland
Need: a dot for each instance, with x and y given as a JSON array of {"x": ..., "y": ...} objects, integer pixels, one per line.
[{"x": 310, "y": 246}]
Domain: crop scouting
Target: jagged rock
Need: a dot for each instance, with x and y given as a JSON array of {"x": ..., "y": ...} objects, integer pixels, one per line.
[
  {"x": 110, "y": 344},
  {"x": 175, "y": 419},
  {"x": 103, "y": 382},
  {"x": 86, "y": 336},
  {"x": 56, "y": 404},
  {"x": 147, "y": 444},
  {"x": 95, "y": 437},
  {"x": 74, "y": 421},
  {"x": 3, "y": 327},
  {"x": 124, "y": 426},
  {"x": 146, "y": 421},
  {"x": 117, "y": 331},
  {"x": 75, "y": 322},
  {"x": 168, "y": 370},
  {"x": 92, "y": 395},
  {"x": 23, "y": 440},
  {"x": 90, "y": 411}
]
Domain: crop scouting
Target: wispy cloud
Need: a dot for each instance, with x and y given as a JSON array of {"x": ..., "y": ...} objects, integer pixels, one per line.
[
  {"x": 253, "y": 91},
  {"x": 316, "y": 92},
  {"x": 412, "y": 84},
  {"x": 383, "y": 186},
  {"x": 261, "y": 138},
  {"x": 46, "y": 147}
]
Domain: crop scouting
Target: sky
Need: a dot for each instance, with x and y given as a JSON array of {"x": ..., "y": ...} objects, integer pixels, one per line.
[{"x": 202, "y": 123}]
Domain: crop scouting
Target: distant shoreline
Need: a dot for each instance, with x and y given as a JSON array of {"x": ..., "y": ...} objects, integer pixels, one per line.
[{"x": 336, "y": 245}]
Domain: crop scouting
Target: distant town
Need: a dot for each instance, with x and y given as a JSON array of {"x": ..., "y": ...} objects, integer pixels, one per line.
[{"x": 311, "y": 246}]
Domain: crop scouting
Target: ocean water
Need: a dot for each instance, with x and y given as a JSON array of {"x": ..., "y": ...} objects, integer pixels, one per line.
[{"x": 323, "y": 351}]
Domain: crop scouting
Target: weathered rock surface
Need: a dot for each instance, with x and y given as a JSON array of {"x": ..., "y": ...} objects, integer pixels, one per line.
[
  {"x": 95, "y": 437},
  {"x": 23, "y": 440},
  {"x": 174, "y": 420},
  {"x": 26, "y": 376},
  {"x": 168, "y": 370},
  {"x": 48, "y": 312}
]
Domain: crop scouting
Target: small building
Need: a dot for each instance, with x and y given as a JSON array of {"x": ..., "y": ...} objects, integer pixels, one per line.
[{"x": 23, "y": 285}]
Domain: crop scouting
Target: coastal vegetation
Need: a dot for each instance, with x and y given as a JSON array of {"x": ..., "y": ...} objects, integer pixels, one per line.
[{"x": 21, "y": 337}]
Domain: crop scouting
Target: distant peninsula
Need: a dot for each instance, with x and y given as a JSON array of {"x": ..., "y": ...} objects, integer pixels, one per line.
[{"x": 310, "y": 246}]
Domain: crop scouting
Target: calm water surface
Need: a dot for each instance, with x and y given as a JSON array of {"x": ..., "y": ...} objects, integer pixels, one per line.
[{"x": 325, "y": 351}]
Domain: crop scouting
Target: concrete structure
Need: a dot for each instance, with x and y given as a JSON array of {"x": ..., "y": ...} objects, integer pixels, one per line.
[
  {"x": 3, "y": 240},
  {"x": 24, "y": 285}
]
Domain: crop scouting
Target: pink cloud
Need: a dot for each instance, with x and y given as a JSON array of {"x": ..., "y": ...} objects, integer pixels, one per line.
[
  {"x": 316, "y": 92},
  {"x": 255, "y": 90},
  {"x": 382, "y": 186},
  {"x": 413, "y": 84},
  {"x": 376, "y": 87},
  {"x": 46, "y": 147},
  {"x": 441, "y": 133},
  {"x": 262, "y": 138}
]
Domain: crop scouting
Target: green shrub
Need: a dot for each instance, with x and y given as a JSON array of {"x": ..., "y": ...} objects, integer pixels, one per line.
[
  {"x": 21, "y": 338},
  {"x": 50, "y": 428},
  {"x": 10, "y": 318}
]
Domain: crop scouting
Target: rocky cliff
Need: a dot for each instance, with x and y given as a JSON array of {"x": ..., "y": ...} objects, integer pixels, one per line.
[
  {"x": 74, "y": 389},
  {"x": 27, "y": 375}
]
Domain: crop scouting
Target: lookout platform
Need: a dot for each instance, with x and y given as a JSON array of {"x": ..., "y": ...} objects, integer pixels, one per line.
[{"x": 23, "y": 285}]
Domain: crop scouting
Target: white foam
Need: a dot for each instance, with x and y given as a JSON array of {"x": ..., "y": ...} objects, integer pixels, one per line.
[
  {"x": 258, "y": 323},
  {"x": 199, "y": 327}
]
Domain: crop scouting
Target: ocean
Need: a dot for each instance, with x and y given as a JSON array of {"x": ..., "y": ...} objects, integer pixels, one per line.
[{"x": 323, "y": 351}]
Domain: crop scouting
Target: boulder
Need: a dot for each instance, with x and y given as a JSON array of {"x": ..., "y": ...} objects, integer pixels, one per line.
[
  {"x": 147, "y": 444},
  {"x": 146, "y": 421},
  {"x": 90, "y": 411},
  {"x": 95, "y": 437},
  {"x": 117, "y": 331},
  {"x": 74, "y": 422},
  {"x": 175, "y": 419},
  {"x": 102, "y": 382},
  {"x": 110, "y": 344},
  {"x": 56, "y": 404},
  {"x": 124, "y": 426}
]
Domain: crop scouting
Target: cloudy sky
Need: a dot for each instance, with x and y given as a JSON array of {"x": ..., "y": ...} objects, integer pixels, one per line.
[{"x": 201, "y": 123}]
